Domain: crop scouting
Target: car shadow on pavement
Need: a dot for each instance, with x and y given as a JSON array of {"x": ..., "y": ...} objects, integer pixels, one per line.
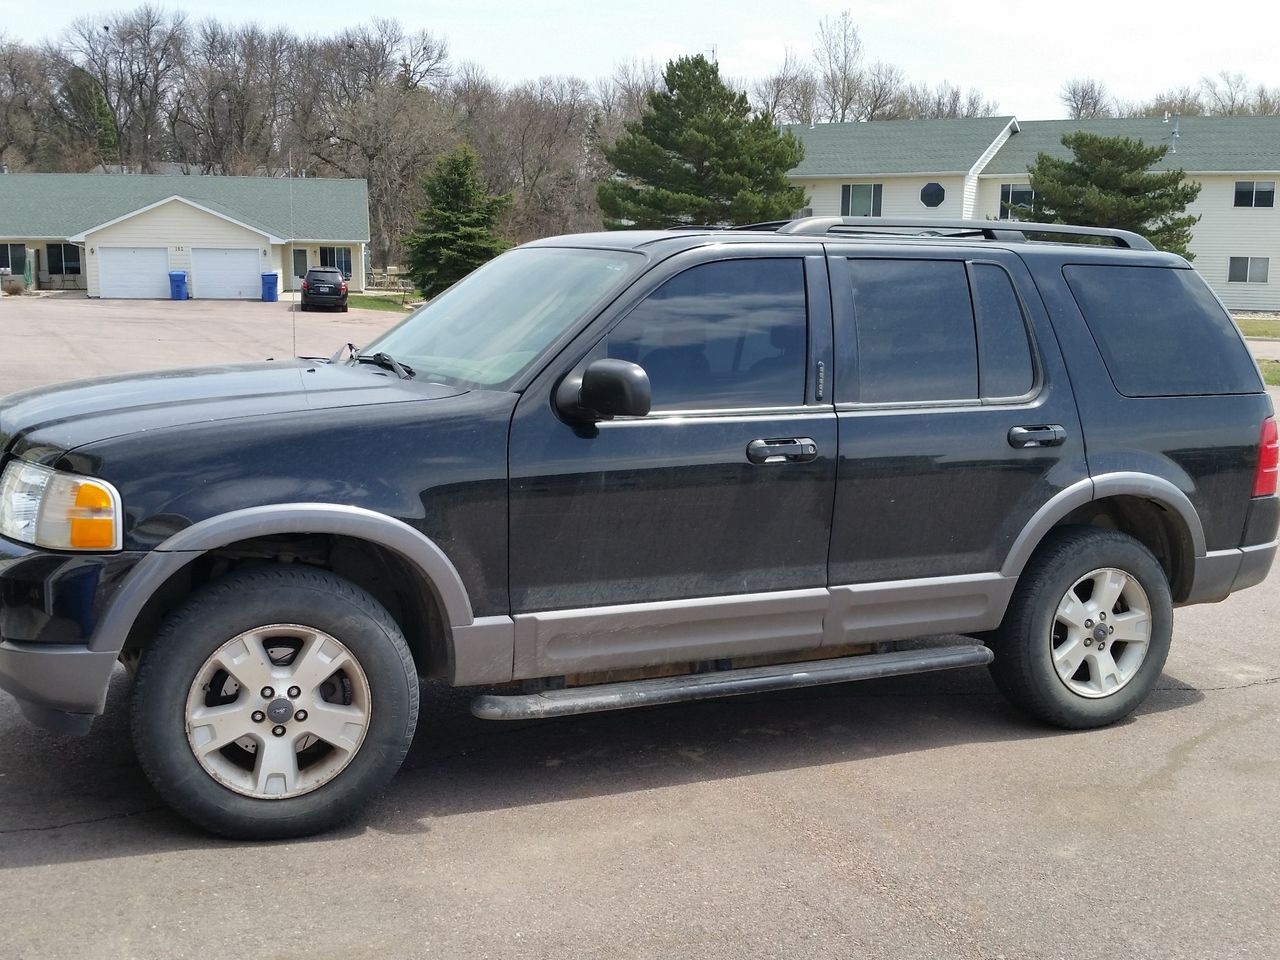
[{"x": 68, "y": 800}]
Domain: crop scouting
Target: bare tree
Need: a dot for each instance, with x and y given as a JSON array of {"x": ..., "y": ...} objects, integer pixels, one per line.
[
  {"x": 838, "y": 55},
  {"x": 1185, "y": 101},
  {"x": 1086, "y": 99},
  {"x": 789, "y": 94},
  {"x": 880, "y": 94},
  {"x": 134, "y": 57},
  {"x": 1227, "y": 94},
  {"x": 944, "y": 102},
  {"x": 24, "y": 94}
]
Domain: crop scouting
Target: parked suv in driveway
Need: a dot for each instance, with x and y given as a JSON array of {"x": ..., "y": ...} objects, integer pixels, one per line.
[
  {"x": 324, "y": 287},
  {"x": 625, "y": 469}
]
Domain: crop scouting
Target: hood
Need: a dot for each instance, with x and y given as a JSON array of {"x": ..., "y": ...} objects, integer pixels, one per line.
[{"x": 44, "y": 423}]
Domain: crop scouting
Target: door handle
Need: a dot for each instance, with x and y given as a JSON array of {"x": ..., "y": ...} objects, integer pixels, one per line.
[
  {"x": 1041, "y": 435},
  {"x": 790, "y": 450}
]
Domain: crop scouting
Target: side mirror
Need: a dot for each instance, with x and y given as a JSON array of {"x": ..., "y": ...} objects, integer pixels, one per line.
[{"x": 606, "y": 389}]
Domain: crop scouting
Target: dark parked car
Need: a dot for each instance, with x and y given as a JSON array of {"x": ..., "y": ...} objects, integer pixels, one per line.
[
  {"x": 324, "y": 287},
  {"x": 627, "y": 469}
]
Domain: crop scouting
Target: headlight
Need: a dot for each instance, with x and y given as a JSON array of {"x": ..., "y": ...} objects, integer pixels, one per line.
[{"x": 58, "y": 511}]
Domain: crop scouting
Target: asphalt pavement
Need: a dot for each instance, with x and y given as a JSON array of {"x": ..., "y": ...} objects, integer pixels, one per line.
[{"x": 911, "y": 818}]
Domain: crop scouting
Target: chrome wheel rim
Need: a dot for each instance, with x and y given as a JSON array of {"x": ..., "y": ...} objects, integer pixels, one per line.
[
  {"x": 277, "y": 711},
  {"x": 1101, "y": 633}
]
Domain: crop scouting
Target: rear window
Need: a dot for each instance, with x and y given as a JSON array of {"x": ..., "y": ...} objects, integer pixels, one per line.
[{"x": 1160, "y": 331}]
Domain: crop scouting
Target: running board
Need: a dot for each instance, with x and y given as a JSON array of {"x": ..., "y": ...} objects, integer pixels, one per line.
[{"x": 725, "y": 683}]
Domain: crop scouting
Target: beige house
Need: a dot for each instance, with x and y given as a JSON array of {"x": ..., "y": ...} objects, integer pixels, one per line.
[
  {"x": 885, "y": 168},
  {"x": 120, "y": 236}
]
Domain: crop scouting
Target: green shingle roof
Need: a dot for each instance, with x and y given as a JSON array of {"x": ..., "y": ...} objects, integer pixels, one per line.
[
  {"x": 64, "y": 204},
  {"x": 1205, "y": 144},
  {"x": 894, "y": 146}
]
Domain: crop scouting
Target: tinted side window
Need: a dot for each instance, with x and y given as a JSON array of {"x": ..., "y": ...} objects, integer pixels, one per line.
[
  {"x": 915, "y": 334},
  {"x": 1160, "y": 331},
  {"x": 725, "y": 334},
  {"x": 1004, "y": 352}
]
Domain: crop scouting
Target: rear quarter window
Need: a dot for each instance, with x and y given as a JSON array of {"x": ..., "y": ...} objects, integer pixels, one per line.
[{"x": 1160, "y": 331}]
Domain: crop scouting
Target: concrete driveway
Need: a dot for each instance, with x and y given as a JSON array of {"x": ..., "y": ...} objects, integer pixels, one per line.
[
  {"x": 915, "y": 818},
  {"x": 48, "y": 339}
]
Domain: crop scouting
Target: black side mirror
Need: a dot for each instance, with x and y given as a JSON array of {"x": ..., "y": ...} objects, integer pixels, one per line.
[{"x": 606, "y": 389}]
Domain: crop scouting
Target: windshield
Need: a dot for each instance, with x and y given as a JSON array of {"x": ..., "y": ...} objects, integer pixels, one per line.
[{"x": 492, "y": 324}]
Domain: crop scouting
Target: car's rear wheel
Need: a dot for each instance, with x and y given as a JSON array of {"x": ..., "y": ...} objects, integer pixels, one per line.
[
  {"x": 274, "y": 703},
  {"x": 1087, "y": 631}
]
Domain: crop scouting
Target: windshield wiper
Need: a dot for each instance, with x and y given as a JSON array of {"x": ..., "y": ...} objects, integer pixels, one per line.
[{"x": 402, "y": 370}]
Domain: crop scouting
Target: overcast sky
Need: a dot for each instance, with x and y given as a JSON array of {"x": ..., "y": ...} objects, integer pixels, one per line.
[{"x": 1018, "y": 54}]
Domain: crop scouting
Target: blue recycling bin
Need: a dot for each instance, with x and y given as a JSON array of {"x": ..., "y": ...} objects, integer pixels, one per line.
[
  {"x": 177, "y": 285},
  {"x": 270, "y": 287}
]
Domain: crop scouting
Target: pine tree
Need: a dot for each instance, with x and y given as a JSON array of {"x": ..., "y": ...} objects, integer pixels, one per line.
[
  {"x": 697, "y": 155},
  {"x": 1108, "y": 182},
  {"x": 456, "y": 228}
]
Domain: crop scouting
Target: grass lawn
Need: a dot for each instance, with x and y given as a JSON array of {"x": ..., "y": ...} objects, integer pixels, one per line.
[
  {"x": 364, "y": 301},
  {"x": 1270, "y": 372},
  {"x": 1255, "y": 327}
]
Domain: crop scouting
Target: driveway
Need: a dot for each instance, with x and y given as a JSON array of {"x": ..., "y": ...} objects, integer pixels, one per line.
[
  {"x": 913, "y": 818},
  {"x": 48, "y": 339}
]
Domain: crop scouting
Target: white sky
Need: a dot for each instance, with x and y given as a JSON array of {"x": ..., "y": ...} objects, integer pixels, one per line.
[{"x": 1017, "y": 53}]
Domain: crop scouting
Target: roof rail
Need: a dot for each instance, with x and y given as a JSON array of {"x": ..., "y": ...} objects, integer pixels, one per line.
[{"x": 1010, "y": 231}]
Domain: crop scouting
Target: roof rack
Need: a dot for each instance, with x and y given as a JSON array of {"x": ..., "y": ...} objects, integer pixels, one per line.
[{"x": 1009, "y": 231}]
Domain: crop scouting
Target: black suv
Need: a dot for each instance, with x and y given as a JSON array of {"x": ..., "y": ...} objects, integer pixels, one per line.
[
  {"x": 324, "y": 287},
  {"x": 624, "y": 469}
]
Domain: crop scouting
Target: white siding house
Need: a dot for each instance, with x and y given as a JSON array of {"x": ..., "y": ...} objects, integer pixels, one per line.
[
  {"x": 121, "y": 235},
  {"x": 1235, "y": 244}
]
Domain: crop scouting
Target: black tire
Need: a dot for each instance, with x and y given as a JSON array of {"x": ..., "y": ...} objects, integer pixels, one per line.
[
  {"x": 344, "y": 308},
  {"x": 1024, "y": 644},
  {"x": 304, "y": 307},
  {"x": 276, "y": 594}
]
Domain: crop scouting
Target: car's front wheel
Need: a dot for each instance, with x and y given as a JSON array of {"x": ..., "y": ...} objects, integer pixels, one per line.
[
  {"x": 274, "y": 703},
  {"x": 1087, "y": 631}
]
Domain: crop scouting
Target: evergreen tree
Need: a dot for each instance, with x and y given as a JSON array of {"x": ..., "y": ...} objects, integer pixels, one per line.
[
  {"x": 697, "y": 155},
  {"x": 456, "y": 228},
  {"x": 1108, "y": 182}
]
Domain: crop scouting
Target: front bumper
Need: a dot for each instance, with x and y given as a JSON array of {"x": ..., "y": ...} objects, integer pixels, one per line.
[{"x": 50, "y": 606}]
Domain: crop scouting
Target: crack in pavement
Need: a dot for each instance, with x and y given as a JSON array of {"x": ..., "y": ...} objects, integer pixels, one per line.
[{"x": 80, "y": 823}]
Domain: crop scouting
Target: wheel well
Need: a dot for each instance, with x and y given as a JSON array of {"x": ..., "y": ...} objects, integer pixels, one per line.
[
  {"x": 1158, "y": 528},
  {"x": 406, "y": 593}
]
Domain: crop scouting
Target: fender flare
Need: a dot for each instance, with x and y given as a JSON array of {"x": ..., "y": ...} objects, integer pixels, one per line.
[
  {"x": 1143, "y": 485},
  {"x": 184, "y": 546}
]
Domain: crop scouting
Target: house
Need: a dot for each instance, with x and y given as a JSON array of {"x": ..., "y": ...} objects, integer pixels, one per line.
[
  {"x": 121, "y": 235},
  {"x": 977, "y": 168}
]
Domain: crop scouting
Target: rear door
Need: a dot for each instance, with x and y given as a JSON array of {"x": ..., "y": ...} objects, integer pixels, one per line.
[
  {"x": 700, "y": 530},
  {"x": 957, "y": 421}
]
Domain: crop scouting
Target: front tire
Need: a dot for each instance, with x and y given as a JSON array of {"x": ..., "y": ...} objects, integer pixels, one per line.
[
  {"x": 1087, "y": 631},
  {"x": 274, "y": 703}
]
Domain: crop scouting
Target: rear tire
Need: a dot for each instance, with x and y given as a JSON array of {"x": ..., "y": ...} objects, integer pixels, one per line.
[
  {"x": 274, "y": 703},
  {"x": 1087, "y": 631}
]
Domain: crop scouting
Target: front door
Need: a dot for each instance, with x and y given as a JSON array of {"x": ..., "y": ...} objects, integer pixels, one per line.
[
  {"x": 299, "y": 267},
  {"x": 700, "y": 530}
]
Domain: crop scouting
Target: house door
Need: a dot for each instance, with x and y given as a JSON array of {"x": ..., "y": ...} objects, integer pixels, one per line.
[{"x": 299, "y": 267}]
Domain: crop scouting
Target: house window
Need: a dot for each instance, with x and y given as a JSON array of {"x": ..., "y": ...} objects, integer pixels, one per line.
[
  {"x": 1255, "y": 193},
  {"x": 932, "y": 194},
  {"x": 64, "y": 259},
  {"x": 14, "y": 256},
  {"x": 1014, "y": 195},
  {"x": 339, "y": 257},
  {"x": 1248, "y": 270},
  {"x": 860, "y": 199}
]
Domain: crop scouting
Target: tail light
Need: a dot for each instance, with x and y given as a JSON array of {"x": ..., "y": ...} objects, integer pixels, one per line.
[
  {"x": 344, "y": 286},
  {"x": 304, "y": 284},
  {"x": 1264, "y": 478}
]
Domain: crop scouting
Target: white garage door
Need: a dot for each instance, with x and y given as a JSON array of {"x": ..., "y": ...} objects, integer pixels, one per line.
[
  {"x": 134, "y": 273},
  {"x": 232, "y": 274}
]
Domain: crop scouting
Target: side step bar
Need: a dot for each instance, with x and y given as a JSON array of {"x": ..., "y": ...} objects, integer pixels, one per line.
[{"x": 725, "y": 683}]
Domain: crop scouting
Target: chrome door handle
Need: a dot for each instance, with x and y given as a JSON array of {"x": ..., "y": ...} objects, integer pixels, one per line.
[
  {"x": 789, "y": 450},
  {"x": 1041, "y": 435}
]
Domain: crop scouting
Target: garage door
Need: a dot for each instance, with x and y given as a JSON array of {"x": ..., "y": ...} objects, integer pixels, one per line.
[
  {"x": 134, "y": 273},
  {"x": 225, "y": 274}
]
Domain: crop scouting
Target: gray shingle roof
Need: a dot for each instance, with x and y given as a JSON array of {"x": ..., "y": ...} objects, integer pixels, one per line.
[
  {"x": 894, "y": 146},
  {"x": 1205, "y": 144},
  {"x": 64, "y": 204}
]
